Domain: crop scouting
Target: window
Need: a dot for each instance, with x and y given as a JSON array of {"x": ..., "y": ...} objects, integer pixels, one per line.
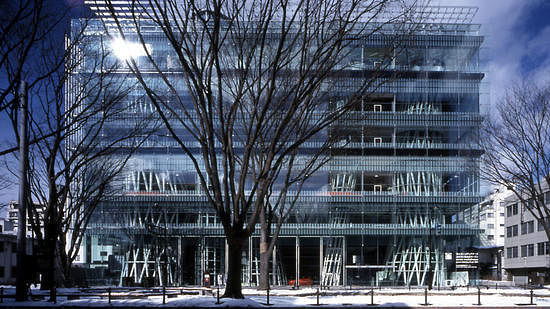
[
  {"x": 530, "y": 226},
  {"x": 547, "y": 197},
  {"x": 490, "y": 237},
  {"x": 512, "y": 252},
  {"x": 515, "y": 230},
  {"x": 490, "y": 226},
  {"x": 509, "y": 253},
  {"x": 540, "y": 225},
  {"x": 482, "y": 217},
  {"x": 524, "y": 228},
  {"x": 490, "y": 215},
  {"x": 524, "y": 251},
  {"x": 530, "y": 249},
  {"x": 527, "y": 227},
  {"x": 515, "y": 209},
  {"x": 547, "y": 247},
  {"x": 509, "y": 211},
  {"x": 502, "y": 214},
  {"x": 13, "y": 247},
  {"x": 541, "y": 250},
  {"x": 509, "y": 232}
]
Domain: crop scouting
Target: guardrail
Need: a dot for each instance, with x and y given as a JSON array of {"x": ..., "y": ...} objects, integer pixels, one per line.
[{"x": 111, "y": 293}]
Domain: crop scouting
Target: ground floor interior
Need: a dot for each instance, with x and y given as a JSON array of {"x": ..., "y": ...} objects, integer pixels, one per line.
[
  {"x": 151, "y": 260},
  {"x": 327, "y": 240}
]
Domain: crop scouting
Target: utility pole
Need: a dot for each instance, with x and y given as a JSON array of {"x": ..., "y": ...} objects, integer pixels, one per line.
[{"x": 21, "y": 285}]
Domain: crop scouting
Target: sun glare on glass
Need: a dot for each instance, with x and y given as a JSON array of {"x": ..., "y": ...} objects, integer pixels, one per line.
[{"x": 125, "y": 50}]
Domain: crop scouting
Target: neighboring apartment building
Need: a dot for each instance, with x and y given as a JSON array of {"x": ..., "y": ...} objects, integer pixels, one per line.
[
  {"x": 383, "y": 201},
  {"x": 490, "y": 214},
  {"x": 526, "y": 246},
  {"x": 13, "y": 217}
]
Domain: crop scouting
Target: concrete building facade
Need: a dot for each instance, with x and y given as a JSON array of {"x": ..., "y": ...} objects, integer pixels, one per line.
[{"x": 526, "y": 246}]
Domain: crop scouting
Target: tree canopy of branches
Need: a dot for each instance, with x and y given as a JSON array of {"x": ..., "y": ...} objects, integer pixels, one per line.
[
  {"x": 27, "y": 27},
  {"x": 75, "y": 101},
  {"x": 250, "y": 82},
  {"x": 516, "y": 142}
]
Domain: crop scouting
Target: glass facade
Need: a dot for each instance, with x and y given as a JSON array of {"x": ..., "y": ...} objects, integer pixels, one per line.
[{"x": 381, "y": 211}]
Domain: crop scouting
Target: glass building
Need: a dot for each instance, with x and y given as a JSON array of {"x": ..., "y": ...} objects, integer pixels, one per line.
[{"x": 382, "y": 211}]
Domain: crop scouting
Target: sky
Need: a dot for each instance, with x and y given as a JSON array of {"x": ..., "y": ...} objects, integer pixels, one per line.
[
  {"x": 517, "y": 48},
  {"x": 517, "y": 41}
]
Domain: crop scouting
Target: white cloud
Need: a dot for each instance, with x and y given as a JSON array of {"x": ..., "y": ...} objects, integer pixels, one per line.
[{"x": 505, "y": 46}]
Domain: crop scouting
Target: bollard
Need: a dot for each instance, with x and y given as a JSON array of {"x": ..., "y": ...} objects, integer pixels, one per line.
[
  {"x": 164, "y": 295},
  {"x": 496, "y": 286},
  {"x": 468, "y": 287},
  {"x": 438, "y": 287},
  {"x": 317, "y": 296},
  {"x": 531, "y": 297},
  {"x": 218, "y": 296},
  {"x": 53, "y": 295},
  {"x": 372, "y": 297},
  {"x": 267, "y": 296},
  {"x": 478, "y": 296},
  {"x": 379, "y": 287},
  {"x": 409, "y": 287},
  {"x": 109, "y": 293},
  {"x": 425, "y": 297}
]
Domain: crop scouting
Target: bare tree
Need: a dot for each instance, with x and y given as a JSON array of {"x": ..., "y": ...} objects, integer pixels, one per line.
[
  {"x": 257, "y": 78},
  {"x": 516, "y": 142},
  {"x": 26, "y": 27},
  {"x": 77, "y": 156}
]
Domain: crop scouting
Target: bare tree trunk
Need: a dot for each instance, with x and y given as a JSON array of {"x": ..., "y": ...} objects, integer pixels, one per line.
[
  {"x": 264, "y": 265},
  {"x": 48, "y": 276},
  {"x": 233, "y": 287},
  {"x": 264, "y": 251},
  {"x": 64, "y": 265}
]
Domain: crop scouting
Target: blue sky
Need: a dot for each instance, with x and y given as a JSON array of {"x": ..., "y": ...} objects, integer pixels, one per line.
[
  {"x": 517, "y": 47},
  {"x": 517, "y": 44}
]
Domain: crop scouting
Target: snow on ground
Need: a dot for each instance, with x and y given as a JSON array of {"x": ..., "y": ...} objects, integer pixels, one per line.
[{"x": 306, "y": 297}]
